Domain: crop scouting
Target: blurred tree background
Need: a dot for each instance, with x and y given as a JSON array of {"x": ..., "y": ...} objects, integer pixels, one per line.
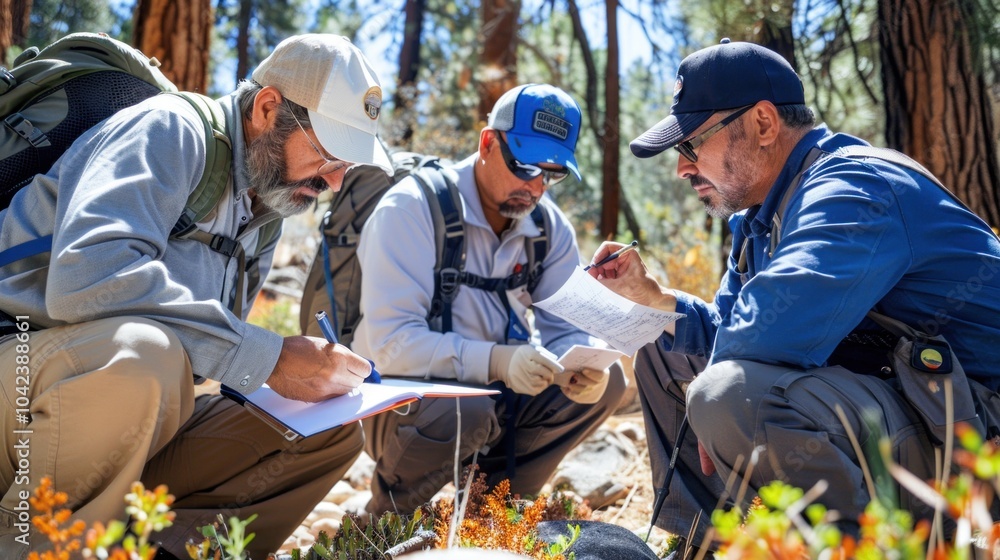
[{"x": 916, "y": 75}]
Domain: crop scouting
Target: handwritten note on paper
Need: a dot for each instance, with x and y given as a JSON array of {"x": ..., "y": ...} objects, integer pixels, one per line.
[{"x": 589, "y": 306}]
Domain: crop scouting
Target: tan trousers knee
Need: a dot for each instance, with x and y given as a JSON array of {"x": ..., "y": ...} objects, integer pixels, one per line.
[{"x": 109, "y": 396}]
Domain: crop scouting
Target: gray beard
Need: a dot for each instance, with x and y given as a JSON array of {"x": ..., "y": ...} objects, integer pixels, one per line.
[{"x": 266, "y": 170}]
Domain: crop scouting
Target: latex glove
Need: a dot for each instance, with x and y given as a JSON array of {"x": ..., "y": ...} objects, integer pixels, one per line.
[
  {"x": 524, "y": 368},
  {"x": 586, "y": 386}
]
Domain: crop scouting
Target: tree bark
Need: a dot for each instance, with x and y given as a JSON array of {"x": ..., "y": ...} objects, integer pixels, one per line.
[
  {"x": 610, "y": 183},
  {"x": 176, "y": 32},
  {"x": 6, "y": 30},
  {"x": 20, "y": 17},
  {"x": 498, "y": 61},
  {"x": 243, "y": 40},
  {"x": 937, "y": 107},
  {"x": 409, "y": 67},
  {"x": 775, "y": 31}
]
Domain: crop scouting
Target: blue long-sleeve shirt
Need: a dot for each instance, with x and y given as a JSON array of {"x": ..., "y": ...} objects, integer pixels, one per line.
[{"x": 858, "y": 234}]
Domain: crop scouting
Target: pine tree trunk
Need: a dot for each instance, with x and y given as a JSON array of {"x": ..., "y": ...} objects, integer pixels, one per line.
[
  {"x": 243, "y": 40},
  {"x": 610, "y": 183},
  {"x": 6, "y": 30},
  {"x": 20, "y": 20},
  {"x": 936, "y": 104},
  {"x": 176, "y": 32},
  {"x": 409, "y": 67},
  {"x": 498, "y": 61}
]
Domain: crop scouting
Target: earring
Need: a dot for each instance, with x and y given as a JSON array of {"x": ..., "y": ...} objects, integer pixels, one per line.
[{"x": 483, "y": 161}]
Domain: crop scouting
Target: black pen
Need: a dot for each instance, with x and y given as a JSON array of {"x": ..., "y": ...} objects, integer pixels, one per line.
[
  {"x": 331, "y": 337},
  {"x": 614, "y": 255}
]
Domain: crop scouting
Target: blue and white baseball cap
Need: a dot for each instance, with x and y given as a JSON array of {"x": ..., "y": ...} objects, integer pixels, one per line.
[
  {"x": 542, "y": 123},
  {"x": 724, "y": 76}
]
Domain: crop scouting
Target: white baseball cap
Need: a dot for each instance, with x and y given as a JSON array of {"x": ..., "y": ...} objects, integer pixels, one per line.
[{"x": 330, "y": 77}]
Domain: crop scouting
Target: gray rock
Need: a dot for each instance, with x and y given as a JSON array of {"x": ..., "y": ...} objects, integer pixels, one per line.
[{"x": 598, "y": 541}]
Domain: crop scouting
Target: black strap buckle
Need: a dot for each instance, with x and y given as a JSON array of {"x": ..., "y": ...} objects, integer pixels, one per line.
[
  {"x": 449, "y": 283},
  {"x": 224, "y": 245}
]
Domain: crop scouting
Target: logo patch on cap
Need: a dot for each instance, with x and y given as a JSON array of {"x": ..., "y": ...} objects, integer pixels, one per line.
[
  {"x": 678, "y": 86},
  {"x": 373, "y": 102},
  {"x": 547, "y": 123}
]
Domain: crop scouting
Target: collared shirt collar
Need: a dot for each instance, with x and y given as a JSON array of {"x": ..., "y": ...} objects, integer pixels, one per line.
[
  {"x": 234, "y": 127},
  {"x": 758, "y": 219}
]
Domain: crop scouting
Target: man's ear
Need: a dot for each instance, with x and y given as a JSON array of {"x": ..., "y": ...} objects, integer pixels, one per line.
[
  {"x": 264, "y": 112},
  {"x": 486, "y": 142},
  {"x": 767, "y": 123}
]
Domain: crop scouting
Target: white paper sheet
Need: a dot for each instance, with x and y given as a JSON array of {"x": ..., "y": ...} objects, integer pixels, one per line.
[
  {"x": 305, "y": 419},
  {"x": 591, "y": 307}
]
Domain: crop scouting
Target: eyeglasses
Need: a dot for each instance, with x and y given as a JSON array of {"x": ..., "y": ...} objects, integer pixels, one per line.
[
  {"x": 688, "y": 147},
  {"x": 527, "y": 172},
  {"x": 329, "y": 165}
]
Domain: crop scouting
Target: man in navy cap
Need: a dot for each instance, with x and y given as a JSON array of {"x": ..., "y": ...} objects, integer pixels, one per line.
[
  {"x": 825, "y": 230},
  {"x": 527, "y": 148}
]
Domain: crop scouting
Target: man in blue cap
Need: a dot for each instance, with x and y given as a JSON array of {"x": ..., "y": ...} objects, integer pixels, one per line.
[
  {"x": 826, "y": 229},
  {"x": 526, "y": 148}
]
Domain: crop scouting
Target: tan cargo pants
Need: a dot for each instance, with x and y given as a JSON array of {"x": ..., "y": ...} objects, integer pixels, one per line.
[{"x": 110, "y": 402}]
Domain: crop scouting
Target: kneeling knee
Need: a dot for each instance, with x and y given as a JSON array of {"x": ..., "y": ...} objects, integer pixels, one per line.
[
  {"x": 718, "y": 394},
  {"x": 151, "y": 347}
]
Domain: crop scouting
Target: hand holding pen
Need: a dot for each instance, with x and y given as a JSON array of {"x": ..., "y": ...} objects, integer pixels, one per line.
[
  {"x": 331, "y": 337},
  {"x": 613, "y": 256}
]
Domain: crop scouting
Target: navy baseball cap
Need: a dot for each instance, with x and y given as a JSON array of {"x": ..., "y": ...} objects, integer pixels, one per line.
[
  {"x": 542, "y": 123},
  {"x": 724, "y": 76}
]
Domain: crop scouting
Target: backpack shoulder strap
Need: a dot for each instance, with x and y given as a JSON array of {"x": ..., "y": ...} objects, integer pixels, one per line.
[
  {"x": 537, "y": 248},
  {"x": 449, "y": 238},
  {"x": 218, "y": 164},
  {"x": 203, "y": 199},
  {"x": 900, "y": 159},
  {"x": 779, "y": 213}
]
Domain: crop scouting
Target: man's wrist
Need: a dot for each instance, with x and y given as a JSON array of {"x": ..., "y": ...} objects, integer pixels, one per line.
[{"x": 667, "y": 301}]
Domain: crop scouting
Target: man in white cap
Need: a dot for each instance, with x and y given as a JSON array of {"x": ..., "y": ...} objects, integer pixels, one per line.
[
  {"x": 486, "y": 336},
  {"x": 126, "y": 317}
]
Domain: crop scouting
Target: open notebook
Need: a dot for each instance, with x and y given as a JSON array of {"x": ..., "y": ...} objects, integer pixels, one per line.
[{"x": 294, "y": 419}]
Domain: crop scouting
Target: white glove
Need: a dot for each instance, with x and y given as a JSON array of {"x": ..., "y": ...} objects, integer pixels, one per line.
[
  {"x": 523, "y": 368},
  {"x": 586, "y": 386}
]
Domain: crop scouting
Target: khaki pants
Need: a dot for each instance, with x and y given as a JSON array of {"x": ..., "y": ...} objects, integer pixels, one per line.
[
  {"x": 415, "y": 453},
  {"x": 111, "y": 402}
]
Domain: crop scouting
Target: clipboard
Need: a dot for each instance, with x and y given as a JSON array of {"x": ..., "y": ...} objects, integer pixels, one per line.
[{"x": 297, "y": 419}]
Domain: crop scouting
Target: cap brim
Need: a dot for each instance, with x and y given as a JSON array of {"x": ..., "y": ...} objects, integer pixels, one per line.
[
  {"x": 533, "y": 149},
  {"x": 348, "y": 143},
  {"x": 667, "y": 133}
]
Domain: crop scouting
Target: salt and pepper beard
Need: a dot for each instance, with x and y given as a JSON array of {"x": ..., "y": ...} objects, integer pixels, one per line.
[
  {"x": 742, "y": 171},
  {"x": 516, "y": 212},
  {"x": 266, "y": 169}
]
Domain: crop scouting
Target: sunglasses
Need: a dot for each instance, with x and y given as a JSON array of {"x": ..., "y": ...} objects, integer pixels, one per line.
[
  {"x": 329, "y": 165},
  {"x": 688, "y": 147},
  {"x": 526, "y": 172}
]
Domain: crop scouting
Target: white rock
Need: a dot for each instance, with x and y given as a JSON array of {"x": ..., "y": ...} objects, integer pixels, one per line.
[
  {"x": 340, "y": 492},
  {"x": 357, "y": 502},
  {"x": 360, "y": 473},
  {"x": 329, "y": 526},
  {"x": 632, "y": 431}
]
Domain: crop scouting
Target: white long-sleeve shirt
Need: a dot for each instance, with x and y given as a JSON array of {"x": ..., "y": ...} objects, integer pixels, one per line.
[{"x": 397, "y": 254}]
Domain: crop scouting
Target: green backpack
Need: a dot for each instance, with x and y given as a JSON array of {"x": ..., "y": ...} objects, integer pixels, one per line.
[{"x": 53, "y": 95}]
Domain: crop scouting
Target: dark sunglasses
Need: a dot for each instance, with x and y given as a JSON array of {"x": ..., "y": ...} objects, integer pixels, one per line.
[
  {"x": 527, "y": 172},
  {"x": 688, "y": 147}
]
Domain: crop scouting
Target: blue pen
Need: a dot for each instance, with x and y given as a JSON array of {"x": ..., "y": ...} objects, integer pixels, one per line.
[{"x": 331, "y": 337}]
